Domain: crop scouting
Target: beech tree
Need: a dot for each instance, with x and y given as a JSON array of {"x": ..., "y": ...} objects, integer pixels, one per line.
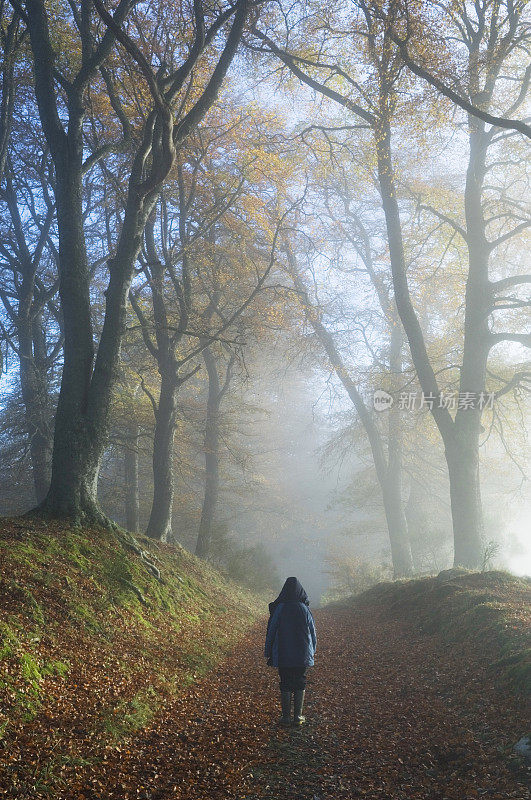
[
  {"x": 490, "y": 35},
  {"x": 217, "y": 389},
  {"x": 11, "y": 39},
  {"x": 490, "y": 39},
  {"x": 387, "y": 458},
  {"x": 169, "y": 105},
  {"x": 188, "y": 275}
]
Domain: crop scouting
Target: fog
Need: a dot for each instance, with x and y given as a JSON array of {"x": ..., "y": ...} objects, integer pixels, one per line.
[
  {"x": 303, "y": 487},
  {"x": 201, "y": 365},
  {"x": 298, "y": 482}
]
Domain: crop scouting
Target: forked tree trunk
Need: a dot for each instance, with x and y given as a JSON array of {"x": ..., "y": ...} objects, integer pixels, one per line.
[
  {"x": 82, "y": 417},
  {"x": 462, "y": 450},
  {"x": 86, "y": 388},
  {"x": 211, "y": 446},
  {"x": 80, "y": 435},
  {"x": 460, "y": 437}
]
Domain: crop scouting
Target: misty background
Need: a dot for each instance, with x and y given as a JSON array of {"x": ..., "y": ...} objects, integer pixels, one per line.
[{"x": 260, "y": 308}]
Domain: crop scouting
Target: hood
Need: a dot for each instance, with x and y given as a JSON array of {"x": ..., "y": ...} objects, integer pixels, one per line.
[{"x": 292, "y": 592}]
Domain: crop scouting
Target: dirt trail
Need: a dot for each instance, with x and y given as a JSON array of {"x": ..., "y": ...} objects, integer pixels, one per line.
[{"x": 392, "y": 714}]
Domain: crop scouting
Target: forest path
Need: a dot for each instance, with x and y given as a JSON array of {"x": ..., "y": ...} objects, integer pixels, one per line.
[{"x": 392, "y": 714}]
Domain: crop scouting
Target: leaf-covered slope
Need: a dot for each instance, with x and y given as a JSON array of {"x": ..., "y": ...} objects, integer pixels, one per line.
[
  {"x": 492, "y": 609},
  {"x": 91, "y": 641}
]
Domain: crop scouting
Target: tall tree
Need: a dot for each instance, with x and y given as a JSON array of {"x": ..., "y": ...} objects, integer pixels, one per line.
[
  {"x": 387, "y": 459},
  {"x": 172, "y": 106},
  {"x": 216, "y": 392},
  {"x": 490, "y": 42},
  {"x": 11, "y": 39}
]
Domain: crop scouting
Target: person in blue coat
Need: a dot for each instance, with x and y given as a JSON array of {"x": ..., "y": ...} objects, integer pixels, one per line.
[{"x": 290, "y": 646}]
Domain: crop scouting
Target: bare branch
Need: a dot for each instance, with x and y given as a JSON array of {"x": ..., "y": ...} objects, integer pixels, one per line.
[
  {"x": 239, "y": 311},
  {"x": 519, "y": 338},
  {"x": 144, "y": 327},
  {"x": 506, "y": 283},
  {"x": 11, "y": 44},
  {"x": 461, "y": 231},
  {"x": 459, "y": 100},
  {"x": 518, "y": 380},
  {"x": 506, "y": 236},
  {"x": 290, "y": 62}
]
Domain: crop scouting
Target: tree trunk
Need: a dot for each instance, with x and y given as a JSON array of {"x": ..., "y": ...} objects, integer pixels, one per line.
[
  {"x": 462, "y": 450},
  {"x": 159, "y": 525},
  {"x": 416, "y": 524},
  {"x": 86, "y": 387},
  {"x": 34, "y": 386},
  {"x": 388, "y": 471},
  {"x": 462, "y": 457},
  {"x": 392, "y": 488},
  {"x": 131, "y": 478},
  {"x": 397, "y": 526},
  {"x": 460, "y": 437},
  {"x": 82, "y": 418},
  {"x": 211, "y": 444},
  {"x": 78, "y": 444}
]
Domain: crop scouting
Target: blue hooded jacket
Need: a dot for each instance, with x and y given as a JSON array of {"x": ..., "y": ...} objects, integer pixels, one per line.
[{"x": 290, "y": 638}]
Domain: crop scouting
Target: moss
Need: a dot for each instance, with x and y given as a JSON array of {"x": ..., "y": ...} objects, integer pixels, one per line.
[
  {"x": 48, "y": 779},
  {"x": 27, "y": 553},
  {"x": 33, "y": 605},
  {"x": 132, "y": 715},
  {"x": 117, "y": 569},
  {"x": 517, "y": 669},
  {"x": 67, "y": 601},
  {"x": 24, "y": 681},
  {"x": 30, "y": 671},
  {"x": 8, "y": 641},
  {"x": 82, "y": 612},
  {"x": 59, "y": 668},
  {"x": 26, "y": 700}
]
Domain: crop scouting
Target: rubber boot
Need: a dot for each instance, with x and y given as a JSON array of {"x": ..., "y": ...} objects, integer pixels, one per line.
[
  {"x": 285, "y": 700},
  {"x": 298, "y": 703}
]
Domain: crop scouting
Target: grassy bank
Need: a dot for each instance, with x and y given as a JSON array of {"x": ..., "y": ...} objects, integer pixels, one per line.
[
  {"x": 93, "y": 638},
  {"x": 491, "y": 610}
]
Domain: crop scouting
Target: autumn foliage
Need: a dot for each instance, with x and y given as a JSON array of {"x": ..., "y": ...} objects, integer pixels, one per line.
[
  {"x": 91, "y": 644},
  {"x": 107, "y": 695}
]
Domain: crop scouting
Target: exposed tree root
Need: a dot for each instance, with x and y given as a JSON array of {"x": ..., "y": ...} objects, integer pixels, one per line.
[
  {"x": 94, "y": 517},
  {"x": 128, "y": 541},
  {"x": 135, "y": 589}
]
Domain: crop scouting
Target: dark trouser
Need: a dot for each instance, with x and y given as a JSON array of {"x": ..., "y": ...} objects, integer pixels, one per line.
[{"x": 292, "y": 679}]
